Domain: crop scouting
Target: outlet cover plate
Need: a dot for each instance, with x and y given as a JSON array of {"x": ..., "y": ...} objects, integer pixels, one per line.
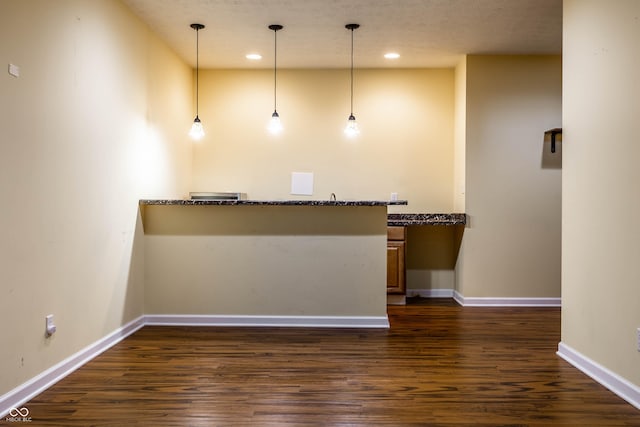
[{"x": 14, "y": 70}]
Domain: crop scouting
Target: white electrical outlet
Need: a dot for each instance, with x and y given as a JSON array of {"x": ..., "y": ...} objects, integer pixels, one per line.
[
  {"x": 50, "y": 326},
  {"x": 14, "y": 70}
]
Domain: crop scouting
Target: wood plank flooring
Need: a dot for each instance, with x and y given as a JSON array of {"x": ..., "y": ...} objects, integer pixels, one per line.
[{"x": 438, "y": 365}]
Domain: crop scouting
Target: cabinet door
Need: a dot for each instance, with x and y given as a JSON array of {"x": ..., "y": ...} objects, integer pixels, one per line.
[{"x": 395, "y": 268}]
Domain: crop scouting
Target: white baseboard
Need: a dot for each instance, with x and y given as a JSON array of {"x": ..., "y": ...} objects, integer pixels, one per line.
[
  {"x": 273, "y": 321},
  {"x": 506, "y": 302},
  {"x": 618, "y": 385},
  {"x": 430, "y": 293},
  {"x": 25, "y": 392}
]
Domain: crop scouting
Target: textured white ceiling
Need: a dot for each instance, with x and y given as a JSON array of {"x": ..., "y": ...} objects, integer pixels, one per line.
[{"x": 426, "y": 33}]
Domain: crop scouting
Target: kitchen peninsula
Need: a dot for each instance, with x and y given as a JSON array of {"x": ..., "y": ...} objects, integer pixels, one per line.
[{"x": 254, "y": 262}]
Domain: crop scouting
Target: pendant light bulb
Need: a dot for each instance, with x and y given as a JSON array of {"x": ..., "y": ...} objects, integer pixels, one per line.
[
  {"x": 275, "y": 125},
  {"x": 197, "y": 130},
  {"x": 352, "y": 130}
]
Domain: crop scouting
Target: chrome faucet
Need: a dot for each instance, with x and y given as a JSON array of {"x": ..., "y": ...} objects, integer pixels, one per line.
[{"x": 332, "y": 198}]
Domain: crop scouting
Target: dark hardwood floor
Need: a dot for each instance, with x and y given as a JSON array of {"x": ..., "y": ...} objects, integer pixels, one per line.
[{"x": 439, "y": 365}]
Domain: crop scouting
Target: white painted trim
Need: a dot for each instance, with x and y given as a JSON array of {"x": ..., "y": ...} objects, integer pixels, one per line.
[
  {"x": 458, "y": 297},
  {"x": 430, "y": 293},
  {"x": 506, "y": 302},
  {"x": 36, "y": 385},
  {"x": 614, "y": 382},
  {"x": 266, "y": 321}
]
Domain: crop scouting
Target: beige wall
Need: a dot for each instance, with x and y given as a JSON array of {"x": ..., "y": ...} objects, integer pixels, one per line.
[
  {"x": 460, "y": 136},
  {"x": 406, "y": 144},
  {"x": 432, "y": 253},
  {"x": 96, "y": 120},
  {"x": 600, "y": 271},
  {"x": 265, "y": 260},
  {"x": 511, "y": 247}
]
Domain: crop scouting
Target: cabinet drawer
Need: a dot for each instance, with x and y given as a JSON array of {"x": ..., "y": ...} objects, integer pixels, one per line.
[
  {"x": 396, "y": 233},
  {"x": 396, "y": 283}
]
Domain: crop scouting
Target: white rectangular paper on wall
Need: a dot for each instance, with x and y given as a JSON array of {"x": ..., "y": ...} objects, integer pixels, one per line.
[{"x": 302, "y": 183}]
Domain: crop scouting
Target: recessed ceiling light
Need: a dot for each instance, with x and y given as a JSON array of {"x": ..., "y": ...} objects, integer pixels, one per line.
[
  {"x": 254, "y": 56},
  {"x": 392, "y": 55}
]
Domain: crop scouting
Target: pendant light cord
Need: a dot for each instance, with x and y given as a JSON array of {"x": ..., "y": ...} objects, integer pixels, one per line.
[
  {"x": 352, "y": 71},
  {"x": 352, "y": 27},
  {"x": 197, "y": 27},
  {"x": 275, "y": 28},
  {"x": 197, "y": 69},
  {"x": 275, "y": 68}
]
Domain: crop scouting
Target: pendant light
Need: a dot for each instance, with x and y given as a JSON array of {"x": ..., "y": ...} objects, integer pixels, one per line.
[
  {"x": 197, "y": 131},
  {"x": 275, "y": 126},
  {"x": 351, "y": 130}
]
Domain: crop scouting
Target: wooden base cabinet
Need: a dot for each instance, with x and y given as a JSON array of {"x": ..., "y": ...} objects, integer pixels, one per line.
[{"x": 396, "y": 251}]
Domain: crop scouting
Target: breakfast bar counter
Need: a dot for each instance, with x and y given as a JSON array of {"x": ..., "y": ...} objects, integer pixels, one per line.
[{"x": 266, "y": 262}]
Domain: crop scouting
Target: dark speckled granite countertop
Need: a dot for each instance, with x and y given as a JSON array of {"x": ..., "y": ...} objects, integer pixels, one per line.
[
  {"x": 393, "y": 219},
  {"x": 408, "y": 219},
  {"x": 201, "y": 202}
]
